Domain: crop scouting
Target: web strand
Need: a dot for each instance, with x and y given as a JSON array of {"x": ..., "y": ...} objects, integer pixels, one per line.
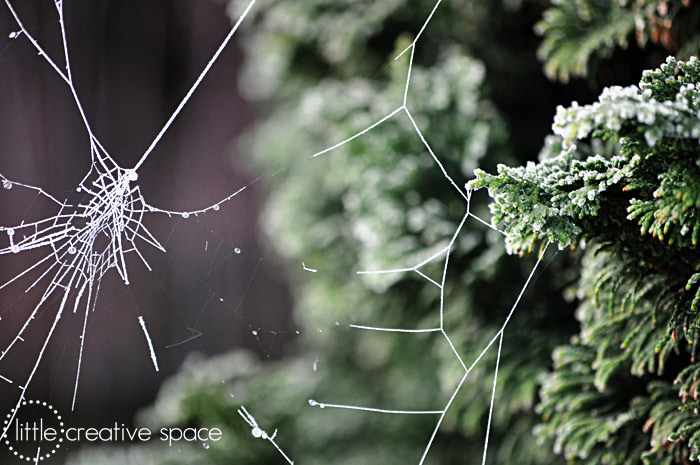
[{"x": 466, "y": 195}]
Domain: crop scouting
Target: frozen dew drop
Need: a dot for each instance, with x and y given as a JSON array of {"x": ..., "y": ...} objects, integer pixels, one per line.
[
  {"x": 185, "y": 215},
  {"x": 215, "y": 207},
  {"x": 14, "y": 249},
  {"x": 6, "y": 184},
  {"x": 205, "y": 445},
  {"x": 132, "y": 175},
  {"x": 297, "y": 332},
  {"x": 221, "y": 299},
  {"x": 10, "y": 232},
  {"x": 257, "y": 432},
  {"x": 13, "y": 34},
  {"x": 71, "y": 250},
  {"x": 236, "y": 250},
  {"x": 79, "y": 189}
]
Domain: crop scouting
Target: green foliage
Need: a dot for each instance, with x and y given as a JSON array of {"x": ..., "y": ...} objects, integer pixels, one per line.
[
  {"x": 624, "y": 390},
  {"x": 560, "y": 198},
  {"x": 575, "y": 30}
]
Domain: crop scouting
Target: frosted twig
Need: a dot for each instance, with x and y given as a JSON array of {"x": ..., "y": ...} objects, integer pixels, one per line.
[
  {"x": 150, "y": 344},
  {"x": 257, "y": 432}
]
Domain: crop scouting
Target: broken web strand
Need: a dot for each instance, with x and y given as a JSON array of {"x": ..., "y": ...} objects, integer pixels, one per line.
[
  {"x": 112, "y": 200},
  {"x": 257, "y": 432},
  {"x": 150, "y": 343}
]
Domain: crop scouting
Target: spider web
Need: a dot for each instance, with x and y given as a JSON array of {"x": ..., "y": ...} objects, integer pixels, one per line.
[{"x": 86, "y": 239}]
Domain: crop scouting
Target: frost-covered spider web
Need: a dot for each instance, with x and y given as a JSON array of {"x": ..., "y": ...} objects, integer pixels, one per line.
[{"x": 84, "y": 240}]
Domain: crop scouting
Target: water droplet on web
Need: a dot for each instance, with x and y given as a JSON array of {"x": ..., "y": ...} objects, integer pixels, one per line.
[
  {"x": 221, "y": 299},
  {"x": 297, "y": 332},
  {"x": 215, "y": 207},
  {"x": 231, "y": 396},
  {"x": 6, "y": 184},
  {"x": 205, "y": 445},
  {"x": 236, "y": 250},
  {"x": 185, "y": 215},
  {"x": 257, "y": 432},
  {"x": 255, "y": 333},
  {"x": 337, "y": 323},
  {"x": 71, "y": 250},
  {"x": 320, "y": 330}
]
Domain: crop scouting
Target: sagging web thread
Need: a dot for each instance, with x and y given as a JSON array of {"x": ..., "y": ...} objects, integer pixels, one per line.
[{"x": 114, "y": 208}]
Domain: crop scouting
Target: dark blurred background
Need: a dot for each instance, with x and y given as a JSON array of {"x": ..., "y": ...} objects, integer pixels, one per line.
[{"x": 132, "y": 62}]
